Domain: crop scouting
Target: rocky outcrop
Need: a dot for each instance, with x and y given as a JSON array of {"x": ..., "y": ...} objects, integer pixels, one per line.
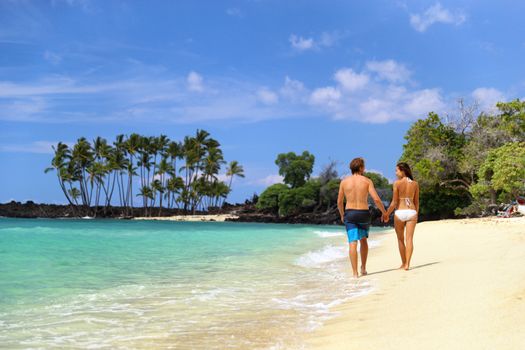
[{"x": 244, "y": 213}]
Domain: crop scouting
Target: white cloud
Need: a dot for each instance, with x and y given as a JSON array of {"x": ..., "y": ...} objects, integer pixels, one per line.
[
  {"x": 234, "y": 12},
  {"x": 325, "y": 96},
  {"x": 300, "y": 43},
  {"x": 85, "y": 5},
  {"x": 487, "y": 98},
  {"x": 377, "y": 93},
  {"x": 39, "y": 147},
  {"x": 436, "y": 14},
  {"x": 52, "y": 57},
  {"x": 267, "y": 96},
  {"x": 350, "y": 80},
  {"x": 268, "y": 180},
  {"x": 376, "y": 97},
  {"x": 422, "y": 102},
  {"x": 326, "y": 39},
  {"x": 293, "y": 90},
  {"x": 389, "y": 70},
  {"x": 194, "y": 81}
]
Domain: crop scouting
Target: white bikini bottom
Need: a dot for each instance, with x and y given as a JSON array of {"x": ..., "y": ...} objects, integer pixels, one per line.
[{"x": 405, "y": 214}]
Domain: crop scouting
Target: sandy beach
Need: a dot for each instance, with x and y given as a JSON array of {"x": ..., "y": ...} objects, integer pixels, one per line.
[
  {"x": 466, "y": 291},
  {"x": 190, "y": 218}
]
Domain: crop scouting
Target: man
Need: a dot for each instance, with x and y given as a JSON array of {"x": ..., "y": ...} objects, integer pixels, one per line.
[{"x": 355, "y": 189}]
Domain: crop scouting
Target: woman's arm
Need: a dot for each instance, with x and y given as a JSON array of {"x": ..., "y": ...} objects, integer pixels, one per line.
[
  {"x": 416, "y": 197},
  {"x": 395, "y": 200}
]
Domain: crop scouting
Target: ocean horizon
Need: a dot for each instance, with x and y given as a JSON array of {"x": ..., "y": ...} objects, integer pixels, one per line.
[{"x": 134, "y": 284}]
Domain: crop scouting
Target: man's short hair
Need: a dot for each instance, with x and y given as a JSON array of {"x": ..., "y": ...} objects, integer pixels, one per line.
[{"x": 357, "y": 164}]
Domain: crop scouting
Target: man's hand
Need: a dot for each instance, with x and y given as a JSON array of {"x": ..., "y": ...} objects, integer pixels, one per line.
[
  {"x": 386, "y": 218},
  {"x": 342, "y": 219}
]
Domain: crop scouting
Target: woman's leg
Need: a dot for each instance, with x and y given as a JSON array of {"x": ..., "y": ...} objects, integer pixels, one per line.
[
  {"x": 400, "y": 232},
  {"x": 410, "y": 228}
]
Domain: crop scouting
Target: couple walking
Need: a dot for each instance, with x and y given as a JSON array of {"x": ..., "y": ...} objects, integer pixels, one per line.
[{"x": 356, "y": 216}]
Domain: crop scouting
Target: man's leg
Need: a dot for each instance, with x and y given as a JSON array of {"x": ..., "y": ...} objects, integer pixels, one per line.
[
  {"x": 364, "y": 254},
  {"x": 411, "y": 227},
  {"x": 400, "y": 232},
  {"x": 353, "y": 257}
]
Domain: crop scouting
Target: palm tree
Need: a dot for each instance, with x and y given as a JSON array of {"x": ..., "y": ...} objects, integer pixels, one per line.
[
  {"x": 147, "y": 193},
  {"x": 234, "y": 169},
  {"x": 163, "y": 168},
  {"x": 81, "y": 159},
  {"x": 173, "y": 186},
  {"x": 88, "y": 173},
  {"x": 75, "y": 194},
  {"x": 131, "y": 146},
  {"x": 59, "y": 164}
]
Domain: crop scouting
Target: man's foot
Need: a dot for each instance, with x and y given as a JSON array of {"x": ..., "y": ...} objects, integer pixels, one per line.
[
  {"x": 402, "y": 267},
  {"x": 407, "y": 267},
  {"x": 363, "y": 272},
  {"x": 355, "y": 275}
]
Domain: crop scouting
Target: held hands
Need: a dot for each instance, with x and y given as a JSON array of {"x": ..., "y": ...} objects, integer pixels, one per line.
[{"x": 385, "y": 217}]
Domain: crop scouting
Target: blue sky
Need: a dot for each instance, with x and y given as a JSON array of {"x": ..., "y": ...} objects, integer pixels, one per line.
[{"x": 337, "y": 78}]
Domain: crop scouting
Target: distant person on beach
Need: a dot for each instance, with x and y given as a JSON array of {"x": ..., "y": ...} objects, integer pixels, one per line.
[
  {"x": 356, "y": 215},
  {"x": 405, "y": 202}
]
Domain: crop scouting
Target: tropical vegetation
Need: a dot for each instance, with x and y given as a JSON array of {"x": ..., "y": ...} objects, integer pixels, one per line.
[
  {"x": 302, "y": 193},
  {"x": 469, "y": 163},
  {"x": 164, "y": 173}
]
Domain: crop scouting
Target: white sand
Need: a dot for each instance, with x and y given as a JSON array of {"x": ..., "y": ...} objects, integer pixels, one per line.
[
  {"x": 219, "y": 217},
  {"x": 466, "y": 291}
]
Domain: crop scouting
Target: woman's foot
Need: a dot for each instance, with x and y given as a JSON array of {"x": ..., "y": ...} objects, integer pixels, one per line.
[
  {"x": 407, "y": 267},
  {"x": 402, "y": 267},
  {"x": 363, "y": 271}
]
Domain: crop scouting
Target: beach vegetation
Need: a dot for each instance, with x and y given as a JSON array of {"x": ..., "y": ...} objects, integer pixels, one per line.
[
  {"x": 168, "y": 173},
  {"x": 295, "y": 169},
  {"x": 466, "y": 165}
]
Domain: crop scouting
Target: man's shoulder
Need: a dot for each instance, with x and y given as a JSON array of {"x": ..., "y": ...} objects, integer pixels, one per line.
[{"x": 365, "y": 179}]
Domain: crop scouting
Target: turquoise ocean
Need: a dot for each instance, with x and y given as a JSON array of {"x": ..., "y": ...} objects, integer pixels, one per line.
[{"x": 157, "y": 284}]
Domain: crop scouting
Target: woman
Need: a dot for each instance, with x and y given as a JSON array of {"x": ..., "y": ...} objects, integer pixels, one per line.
[{"x": 405, "y": 201}]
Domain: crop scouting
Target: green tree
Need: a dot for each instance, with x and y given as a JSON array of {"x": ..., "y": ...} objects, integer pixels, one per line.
[
  {"x": 296, "y": 169},
  {"x": 434, "y": 151},
  {"x": 269, "y": 199},
  {"x": 501, "y": 174},
  {"x": 513, "y": 119},
  {"x": 299, "y": 199},
  {"x": 379, "y": 180}
]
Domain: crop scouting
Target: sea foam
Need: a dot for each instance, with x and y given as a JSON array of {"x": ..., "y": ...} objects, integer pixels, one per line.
[
  {"x": 317, "y": 258},
  {"x": 326, "y": 234}
]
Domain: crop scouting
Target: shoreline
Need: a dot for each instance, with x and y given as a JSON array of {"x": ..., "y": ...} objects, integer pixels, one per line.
[
  {"x": 191, "y": 218},
  {"x": 466, "y": 289}
]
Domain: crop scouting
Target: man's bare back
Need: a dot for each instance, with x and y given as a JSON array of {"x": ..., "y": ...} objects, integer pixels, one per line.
[{"x": 356, "y": 189}]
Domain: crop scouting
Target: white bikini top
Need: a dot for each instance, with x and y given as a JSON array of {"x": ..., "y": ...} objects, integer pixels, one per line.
[{"x": 408, "y": 202}]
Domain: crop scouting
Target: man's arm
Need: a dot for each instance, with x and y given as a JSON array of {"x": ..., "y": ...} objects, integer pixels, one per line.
[
  {"x": 340, "y": 201},
  {"x": 375, "y": 197}
]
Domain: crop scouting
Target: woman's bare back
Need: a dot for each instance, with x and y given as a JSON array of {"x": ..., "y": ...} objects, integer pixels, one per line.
[{"x": 407, "y": 193}]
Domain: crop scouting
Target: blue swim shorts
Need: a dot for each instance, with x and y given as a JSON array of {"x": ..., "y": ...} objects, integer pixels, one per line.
[{"x": 357, "y": 223}]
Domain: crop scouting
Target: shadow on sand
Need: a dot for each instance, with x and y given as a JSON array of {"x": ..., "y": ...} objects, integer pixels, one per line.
[{"x": 412, "y": 268}]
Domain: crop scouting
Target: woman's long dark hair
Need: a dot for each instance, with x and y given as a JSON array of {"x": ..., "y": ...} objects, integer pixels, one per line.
[{"x": 405, "y": 168}]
